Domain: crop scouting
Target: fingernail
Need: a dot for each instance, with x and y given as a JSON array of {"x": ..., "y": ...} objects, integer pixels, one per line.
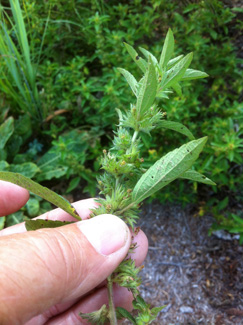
[{"x": 106, "y": 233}]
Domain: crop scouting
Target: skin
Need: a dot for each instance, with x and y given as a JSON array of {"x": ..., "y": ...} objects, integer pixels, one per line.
[{"x": 50, "y": 275}]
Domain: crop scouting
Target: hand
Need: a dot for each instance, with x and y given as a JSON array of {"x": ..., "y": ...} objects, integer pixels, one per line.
[{"x": 48, "y": 276}]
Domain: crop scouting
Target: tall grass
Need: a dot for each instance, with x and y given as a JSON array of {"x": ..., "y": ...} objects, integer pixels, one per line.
[{"x": 18, "y": 74}]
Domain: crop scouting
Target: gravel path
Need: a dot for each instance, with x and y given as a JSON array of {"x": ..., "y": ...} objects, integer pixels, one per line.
[{"x": 199, "y": 278}]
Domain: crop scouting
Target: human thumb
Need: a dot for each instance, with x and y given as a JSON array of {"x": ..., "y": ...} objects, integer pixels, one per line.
[{"x": 51, "y": 266}]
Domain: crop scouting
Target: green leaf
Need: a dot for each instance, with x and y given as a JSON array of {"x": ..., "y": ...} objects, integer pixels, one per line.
[
  {"x": 40, "y": 223},
  {"x": 27, "y": 169},
  {"x": 192, "y": 175},
  {"x": 3, "y": 165},
  {"x": 123, "y": 313},
  {"x": 237, "y": 219},
  {"x": 6, "y": 130},
  {"x": 130, "y": 79},
  {"x": 33, "y": 207},
  {"x": 148, "y": 89},
  {"x": 41, "y": 191},
  {"x": 192, "y": 74},
  {"x": 175, "y": 74},
  {"x": 178, "y": 127},
  {"x": 142, "y": 64},
  {"x": 168, "y": 49},
  {"x": 223, "y": 203},
  {"x": 147, "y": 54},
  {"x": 14, "y": 219},
  {"x": 2, "y": 222},
  {"x": 167, "y": 169},
  {"x": 177, "y": 88},
  {"x": 73, "y": 184},
  {"x": 98, "y": 317},
  {"x": 172, "y": 62}
]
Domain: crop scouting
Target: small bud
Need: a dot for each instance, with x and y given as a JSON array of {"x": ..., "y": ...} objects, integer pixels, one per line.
[
  {"x": 123, "y": 163},
  {"x": 141, "y": 160},
  {"x": 129, "y": 190},
  {"x": 100, "y": 183},
  {"x": 123, "y": 137},
  {"x": 104, "y": 152},
  {"x": 108, "y": 207}
]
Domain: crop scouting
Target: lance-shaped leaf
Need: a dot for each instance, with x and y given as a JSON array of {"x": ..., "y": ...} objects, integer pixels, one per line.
[
  {"x": 192, "y": 74},
  {"x": 178, "y": 127},
  {"x": 41, "y": 191},
  {"x": 148, "y": 89},
  {"x": 40, "y": 223},
  {"x": 130, "y": 79},
  {"x": 167, "y": 169},
  {"x": 168, "y": 49},
  {"x": 177, "y": 88},
  {"x": 175, "y": 74},
  {"x": 192, "y": 175},
  {"x": 6, "y": 130},
  {"x": 142, "y": 64},
  {"x": 172, "y": 62},
  {"x": 147, "y": 54}
]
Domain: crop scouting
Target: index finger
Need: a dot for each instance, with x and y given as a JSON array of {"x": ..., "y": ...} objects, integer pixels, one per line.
[
  {"x": 83, "y": 207},
  {"x": 12, "y": 198}
]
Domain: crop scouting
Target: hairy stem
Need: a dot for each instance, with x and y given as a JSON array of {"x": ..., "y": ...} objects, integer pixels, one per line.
[
  {"x": 134, "y": 136},
  {"x": 112, "y": 310}
]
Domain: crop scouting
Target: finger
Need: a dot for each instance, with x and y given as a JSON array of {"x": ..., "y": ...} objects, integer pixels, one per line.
[
  {"x": 53, "y": 266},
  {"x": 140, "y": 240},
  {"x": 12, "y": 198},
  {"x": 95, "y": 298},
  {"x": 122, "y": 298},
  {"x": 83, "y": 207}
]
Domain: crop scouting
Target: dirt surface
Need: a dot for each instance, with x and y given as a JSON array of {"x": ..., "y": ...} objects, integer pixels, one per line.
[{"x": 199, "y": 278}]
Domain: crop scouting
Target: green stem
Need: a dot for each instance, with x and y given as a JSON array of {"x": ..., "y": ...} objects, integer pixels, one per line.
[
  {"x": 126, "y": 208},
  {"x": 134, "y": 136},
  {"x": 112, "y": 310}
]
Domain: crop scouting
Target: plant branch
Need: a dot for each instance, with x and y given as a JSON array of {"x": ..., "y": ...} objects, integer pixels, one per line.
[{"x": 112, "y": 310}]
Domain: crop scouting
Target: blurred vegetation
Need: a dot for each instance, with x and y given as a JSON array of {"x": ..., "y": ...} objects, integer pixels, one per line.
[{"x": 60, "y": 88}]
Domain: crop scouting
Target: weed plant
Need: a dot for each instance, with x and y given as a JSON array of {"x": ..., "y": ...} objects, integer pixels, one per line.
[
  {"x": 74, "y": 48},
  {"x": 126, "y": 182}
]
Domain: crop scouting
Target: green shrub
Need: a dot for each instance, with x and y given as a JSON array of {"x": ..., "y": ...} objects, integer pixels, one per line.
[{"x": 79, "y": 87}]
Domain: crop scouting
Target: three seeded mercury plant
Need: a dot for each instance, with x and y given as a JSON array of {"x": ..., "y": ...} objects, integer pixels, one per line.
[{"x": 125, "y": 182}]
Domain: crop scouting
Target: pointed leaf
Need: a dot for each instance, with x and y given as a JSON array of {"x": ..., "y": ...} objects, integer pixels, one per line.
[
  {"x": 130, "y": 79},
  {"x": 168, "y": 49},
  {"x": 6, "y": 130},
  {"x": 138, "y": 60},
  {"x": 40, "y": 223},
  {"x": 167, "y": 169},
  {"x": 192, "y": 175},
  {"x": 2, "y": 222},
  {"x": 147, "y": 54},
  {"x": 148, "y": 89},
  {"x": 177, "y": 72},
  {"x": 177, "y": 89},
  {"x": 192, "y": 74},
  {"x": 172, "y": 62},
  {"x": 178, "y": 127},
  {"x": 41, "y": 191},
  {"x": 123, "y": 313}
]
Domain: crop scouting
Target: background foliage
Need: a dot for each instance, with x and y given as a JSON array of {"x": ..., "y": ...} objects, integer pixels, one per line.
[{"x": 74, "y": 49}]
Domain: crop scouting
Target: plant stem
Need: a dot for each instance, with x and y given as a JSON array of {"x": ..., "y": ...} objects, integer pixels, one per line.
[
  {"x": 134, "y": 136},
  {"x": 112, "y": 310}
]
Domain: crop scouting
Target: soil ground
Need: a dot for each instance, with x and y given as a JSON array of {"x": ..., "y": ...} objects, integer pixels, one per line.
[{"x": 199, "y": 278}]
